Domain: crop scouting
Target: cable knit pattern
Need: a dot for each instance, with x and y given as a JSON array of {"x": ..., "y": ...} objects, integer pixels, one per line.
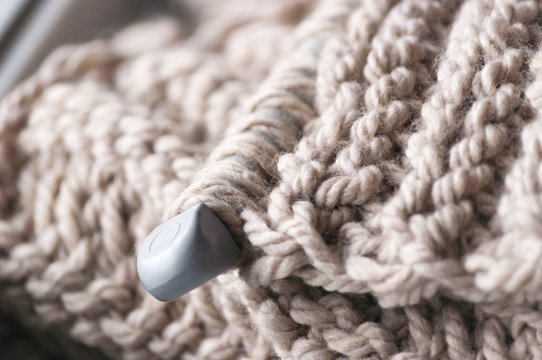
[{"x": 379, "y": 163}]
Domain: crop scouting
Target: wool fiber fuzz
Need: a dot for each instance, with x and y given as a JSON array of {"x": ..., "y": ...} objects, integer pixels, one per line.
[{"x": 379, "y": 163}]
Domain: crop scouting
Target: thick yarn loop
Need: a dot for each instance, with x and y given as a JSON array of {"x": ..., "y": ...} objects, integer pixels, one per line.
[{"x": 379, "y": 163}]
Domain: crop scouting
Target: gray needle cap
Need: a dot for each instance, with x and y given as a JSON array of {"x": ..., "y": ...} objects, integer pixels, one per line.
[{"x": 185, "y": 252}]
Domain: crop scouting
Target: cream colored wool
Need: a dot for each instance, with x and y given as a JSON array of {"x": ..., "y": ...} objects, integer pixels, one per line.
[{"x": 380, "y": 162}]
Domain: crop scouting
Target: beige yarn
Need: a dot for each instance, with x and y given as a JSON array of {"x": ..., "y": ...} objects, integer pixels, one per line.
[{"x": 380, "y": 162}]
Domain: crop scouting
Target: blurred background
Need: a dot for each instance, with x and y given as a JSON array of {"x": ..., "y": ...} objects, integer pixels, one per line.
[{"x": 29, "y": 31}]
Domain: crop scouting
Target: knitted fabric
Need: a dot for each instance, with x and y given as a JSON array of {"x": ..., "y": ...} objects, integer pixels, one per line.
[{"x": 379, "y": 162}]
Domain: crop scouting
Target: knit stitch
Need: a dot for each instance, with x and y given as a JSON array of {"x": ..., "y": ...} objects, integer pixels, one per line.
[{"x": 379, "y": 163}]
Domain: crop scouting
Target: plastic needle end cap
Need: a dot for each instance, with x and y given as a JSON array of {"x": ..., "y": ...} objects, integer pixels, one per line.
[{"x": 185, "y": 252}]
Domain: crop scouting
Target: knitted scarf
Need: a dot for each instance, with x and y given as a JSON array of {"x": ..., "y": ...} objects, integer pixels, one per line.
[{"x": 379, "y": 162}]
